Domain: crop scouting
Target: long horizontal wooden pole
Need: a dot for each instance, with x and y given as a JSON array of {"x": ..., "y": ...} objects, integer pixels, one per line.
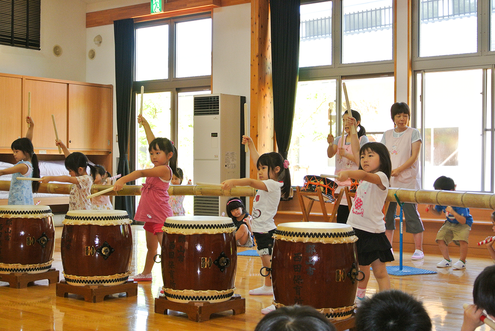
[{"x": 207, "y": 190}]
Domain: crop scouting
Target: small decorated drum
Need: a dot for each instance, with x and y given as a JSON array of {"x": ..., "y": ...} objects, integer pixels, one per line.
[
  {"x": 316, "y": 264},
  {"x": 26, "y": 239},
  {"x": 199, "y": 258},
  {"x": 325, "y": 185},
  {"x": 96, "y": 247}
]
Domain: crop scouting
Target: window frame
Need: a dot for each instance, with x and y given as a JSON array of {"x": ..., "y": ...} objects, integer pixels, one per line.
[{"x": 30, "y": 21}]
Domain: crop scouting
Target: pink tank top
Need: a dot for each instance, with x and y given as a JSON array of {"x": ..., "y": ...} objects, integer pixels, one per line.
[{"x": 153, "y": 206}]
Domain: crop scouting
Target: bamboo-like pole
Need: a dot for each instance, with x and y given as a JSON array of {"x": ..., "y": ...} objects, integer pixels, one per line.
[{"x": 208, "y": 190}]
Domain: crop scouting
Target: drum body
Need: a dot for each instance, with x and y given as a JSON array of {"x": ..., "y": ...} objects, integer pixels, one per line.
[
  {"x": 199, "y": 258},
  {"x": 27, "y": 237},
  {"x": 315, "y": 264},
  {"x": 96, "y": 247}
]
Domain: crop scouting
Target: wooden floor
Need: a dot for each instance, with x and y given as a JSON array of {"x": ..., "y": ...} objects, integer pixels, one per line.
[{"x": 38, "y": 308}]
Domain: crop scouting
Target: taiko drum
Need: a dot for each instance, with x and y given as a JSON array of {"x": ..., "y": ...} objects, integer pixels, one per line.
[
  {"x": 26, "y": 239},
  {"x": 199, "y": 258},
  {"x": 96, "y": 247},
  {"x": 316, "y": 264}
]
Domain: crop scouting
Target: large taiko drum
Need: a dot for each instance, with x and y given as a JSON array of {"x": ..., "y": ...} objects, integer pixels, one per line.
[
  {"x": 96, "y": 247},
  {"x": 315, "y": 264},
  {"x": 26, "y": 239},
  {"x": 199, "y": 258}
]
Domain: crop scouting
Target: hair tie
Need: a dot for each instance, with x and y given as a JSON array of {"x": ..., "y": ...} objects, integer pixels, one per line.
[
  {"x": 237, "y": 200},
  {"x": 172, "y": 142},
  {"x": 286, "y": 164}
]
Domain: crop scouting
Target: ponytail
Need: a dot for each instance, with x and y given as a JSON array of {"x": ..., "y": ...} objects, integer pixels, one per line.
[
  {"x": 36, "y": 172},
  {"x": 361, "y": 131},
  {"x": 26, "y": 146}
]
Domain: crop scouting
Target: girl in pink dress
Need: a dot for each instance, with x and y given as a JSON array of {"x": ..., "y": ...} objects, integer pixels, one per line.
[{"x": 154, "y": 207}]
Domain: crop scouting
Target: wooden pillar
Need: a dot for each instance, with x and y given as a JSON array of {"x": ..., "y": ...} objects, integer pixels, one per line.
[{"x": 261, "y": 115}]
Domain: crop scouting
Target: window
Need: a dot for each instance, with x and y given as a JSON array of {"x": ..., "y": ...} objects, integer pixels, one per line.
[
  {"x": 316, "y": 34},
  {"x": 193, "y": 51},
  {"x": 151, "y": 50},
  {"x": 447, "y": 27},
  {"x": 20, "y": 23}
]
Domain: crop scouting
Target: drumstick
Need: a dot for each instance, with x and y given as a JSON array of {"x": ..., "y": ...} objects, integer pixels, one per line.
[
  {"x": 27, "y": 178},
  {"x": 329, "y": 176},
  {"x": 114, "y": 177},
  {"x": 483, "y": 318},
  {"x": 56, "y": 133},
  {"x": 246, "y": 127},
  {"x": 142, "y": 99},
  {"x": 330, "y": 117},
  {"x": 486, "y": 241},
  {"x": 29, "y": 107},
  {"x": 347, "y": 103},
  {"x": 110, "y": 189}
]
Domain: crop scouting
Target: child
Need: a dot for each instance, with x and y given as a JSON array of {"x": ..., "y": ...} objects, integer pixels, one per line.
[
  {"x": 483, "y": 298},
  {"x": 76, "y": 163},
  {"x": 489, "y": 246},
  {"x": 177, "y": 201},
  {"x": 100, "y": 176},
  {"x": 345, "y": 160},
  {"x": 390, "y": 311},
  {"x": 404, "y": 144},
  {"x": 295, "y": 318},
  {"x": 237, "y": 212},
  {"x": 456, "y": 227},
  {"x": 273, "y": 182},
  {"x": 21, "y": 191},
  {"x": 366, "y": 215},
  {"x": 154, "y": 207}
]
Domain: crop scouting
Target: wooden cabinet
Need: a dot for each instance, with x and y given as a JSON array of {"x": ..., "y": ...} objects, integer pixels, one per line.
[
  {"x": 47, "y": 99},
  {"x": 90, "y": 117},
  {"x": 10, "y": 109}
]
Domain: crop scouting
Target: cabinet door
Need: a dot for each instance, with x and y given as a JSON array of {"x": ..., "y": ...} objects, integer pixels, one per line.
[
  {"x": 90, "y": 117},
  {"x": 47, "y": 99},
  {"x": 10, "y": 109}
]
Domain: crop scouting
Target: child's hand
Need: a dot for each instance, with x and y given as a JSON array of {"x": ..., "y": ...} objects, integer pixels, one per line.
[
  {"x": 189, "y": 182},
  {"x": 341, "y": 151},
  {"x": 228, "y": 184},
  {"x": 246, "y": 140},
  {"x": 29, "y": 121},
  {"x": 59, "y": 143},
  {"x": 45, "y": 179},
  {"x": 395, "y": 172},
  {"x": 472, "y": 316},
  {"x": 119, "y": 185},
  {"x": 141, "y": 120},
  {"x": 449, "y": 210},
  {"x": 342, "y": 176},
  {"x": 330, "y": 139}
]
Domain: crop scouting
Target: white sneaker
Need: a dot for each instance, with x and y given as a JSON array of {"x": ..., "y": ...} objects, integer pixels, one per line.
[
  {"x": 459, "y": 265},
  {"x": 444, "y": 264},
  {"x": 418, "y": 255},
  {"x": 263, "y": 290},
  {"x": 268, "y": 309}
]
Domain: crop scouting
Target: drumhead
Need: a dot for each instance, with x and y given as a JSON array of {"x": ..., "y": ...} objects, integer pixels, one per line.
[
  {"x": 96, "y": 217},
  {"x": 25, "y": 211},
  {"x": 315, "y": 232},
  {"x": 198, "y": 224}
]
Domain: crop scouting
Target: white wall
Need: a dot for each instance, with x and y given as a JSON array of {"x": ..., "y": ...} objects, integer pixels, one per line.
[{"x": 63, "y": 23}]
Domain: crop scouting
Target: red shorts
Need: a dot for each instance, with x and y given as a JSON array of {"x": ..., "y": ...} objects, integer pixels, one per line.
[{"x": 153, "y": 227}]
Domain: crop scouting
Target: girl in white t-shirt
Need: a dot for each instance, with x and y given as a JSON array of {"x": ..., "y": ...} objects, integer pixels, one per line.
[
  {"x": 366, "y": 216},
  {"x": 273, "y": 182}
]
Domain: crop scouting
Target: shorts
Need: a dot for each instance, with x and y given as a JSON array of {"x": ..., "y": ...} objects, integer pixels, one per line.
[
  {"x": 450, "y": 232},
  {"x": 373, "y": 246},
  {"x": 411, "y": 216},
  {"x": 264, "y": 242},
  {"x": 153, "y": 227}
]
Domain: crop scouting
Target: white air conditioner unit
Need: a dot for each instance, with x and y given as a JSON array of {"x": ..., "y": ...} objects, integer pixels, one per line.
[{"x": 218, "y": 152}]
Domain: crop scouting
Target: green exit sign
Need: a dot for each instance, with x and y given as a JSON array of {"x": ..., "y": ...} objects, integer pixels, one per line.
[{"x": 156, "y": 6}]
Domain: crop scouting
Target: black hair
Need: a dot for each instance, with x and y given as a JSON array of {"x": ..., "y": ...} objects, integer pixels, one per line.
[
  {"x": 273, "y": 160},
  {"x": 179, "y": 174},
  {"x": 234, "y": 203},
  {"x": 167, "y": 146},
  {"x": 400, "y": 108},
  {"x": 484, "y": 290},
  {"x": 444, "y": 183},
  {"x": 392, "y": 310},
  {"x": 295, "y": 318},
  {"x": 26, "y": 146},
  {"x": 361, "y": 131},
  {"x": 77, "y": 160},
  {"x": 98, "y": 169},
  {"x": 383, "y": 154}
]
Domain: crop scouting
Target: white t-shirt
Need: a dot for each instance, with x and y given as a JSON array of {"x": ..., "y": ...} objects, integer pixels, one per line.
[
  {"x": 366, "y": 213},
  {"x": 265, "y": 206}
]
